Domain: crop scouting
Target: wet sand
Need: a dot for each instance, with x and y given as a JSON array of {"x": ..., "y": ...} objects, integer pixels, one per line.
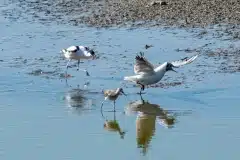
[{"x": 223, "y": 14}]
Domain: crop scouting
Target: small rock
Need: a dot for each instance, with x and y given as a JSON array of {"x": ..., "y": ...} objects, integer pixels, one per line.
[
  {"x": 25, "y": 61},
  {"x": 158, "y": 3},
  {"x": 148, "y": 46}
]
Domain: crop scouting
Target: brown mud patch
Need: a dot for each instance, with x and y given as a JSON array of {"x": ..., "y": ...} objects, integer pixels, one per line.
[{"x": 222, "y": 16}]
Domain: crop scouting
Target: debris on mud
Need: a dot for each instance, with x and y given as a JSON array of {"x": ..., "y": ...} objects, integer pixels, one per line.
[
  {"x": 63, "y": 75},
  {"x": 148, "y": 46},
  {"x": 46, "y": 74},
  {"x": 166, "y": 85},
  {"x": 226, "y": 59}
]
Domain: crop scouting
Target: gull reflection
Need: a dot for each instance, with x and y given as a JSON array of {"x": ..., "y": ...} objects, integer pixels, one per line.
[
  {"x": 147, "y": 114},
  {"x": 113, "y": 125},
  {"x": 77, "y": 101}
]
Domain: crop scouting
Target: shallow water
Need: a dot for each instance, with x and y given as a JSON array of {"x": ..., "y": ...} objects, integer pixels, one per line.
[{"x": 42, "y": 117}]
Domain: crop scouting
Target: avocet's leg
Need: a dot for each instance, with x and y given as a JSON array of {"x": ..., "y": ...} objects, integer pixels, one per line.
[
  {"x": 67, "y": 66},
  {"x": 102, "y": 111},
  {"x": 103, "y": 102},
  {"x": 66, "y": 82},
  {"x": 102, "y": 105},
  {"x": 142, "y": 98},
  {"x": 84, "y": 70},
  {"x": 114, "y": 103},
  {"x": 114, "y": 116},
  {"x": 78, "y": 65}
]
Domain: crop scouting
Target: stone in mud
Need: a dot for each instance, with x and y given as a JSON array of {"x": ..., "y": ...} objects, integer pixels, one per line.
[
  {"x": 36, "y": 72},
  {"x": 148, "y": 46},
  {"x": 154, "y": 3}
]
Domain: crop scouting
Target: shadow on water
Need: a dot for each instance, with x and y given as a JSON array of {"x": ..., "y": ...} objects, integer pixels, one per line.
[
  {"x": 77, "y": 101},
  {"x": 147, "y": 116}
]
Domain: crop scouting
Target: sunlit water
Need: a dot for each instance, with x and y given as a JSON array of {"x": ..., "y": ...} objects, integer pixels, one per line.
[{"x": 42, "y": 117}]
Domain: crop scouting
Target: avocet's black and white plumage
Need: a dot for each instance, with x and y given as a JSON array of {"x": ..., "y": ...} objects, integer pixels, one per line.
[
  {"x": 146, "y": 74},
  {"x": 77, "y": 53}
]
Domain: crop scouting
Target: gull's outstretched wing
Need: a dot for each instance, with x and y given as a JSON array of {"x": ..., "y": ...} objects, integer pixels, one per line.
[
  {"x": 143, "y": 66},
  {"x": 184, "y": 61}
]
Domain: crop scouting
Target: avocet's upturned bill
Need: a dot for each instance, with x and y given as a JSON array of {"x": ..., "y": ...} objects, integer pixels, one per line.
[
  {"x": 146, "y": 74},
  {"x": 78, "y": 53}
]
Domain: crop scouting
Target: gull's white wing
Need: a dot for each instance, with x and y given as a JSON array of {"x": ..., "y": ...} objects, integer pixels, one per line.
[
  {"x": 72, "y": 49},
  {"x": 143, "y": 66},
  {"x": 186, "y": 60}
]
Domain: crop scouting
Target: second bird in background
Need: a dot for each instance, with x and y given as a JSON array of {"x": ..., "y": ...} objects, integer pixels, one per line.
[{"x": 78, "y": 53}]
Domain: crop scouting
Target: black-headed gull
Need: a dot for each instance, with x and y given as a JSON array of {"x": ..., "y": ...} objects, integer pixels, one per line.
[
  {"x": 146, "y": 74},
  {"x": 77, "y": 53}
]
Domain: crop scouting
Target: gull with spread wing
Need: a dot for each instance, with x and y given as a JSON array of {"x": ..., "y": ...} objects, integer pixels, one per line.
[
  {"x": 77, "y": 53},
  {"x": 147, "y": 74}
]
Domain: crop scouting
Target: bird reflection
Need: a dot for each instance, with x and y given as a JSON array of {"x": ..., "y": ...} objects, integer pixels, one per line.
[
  {"x": 77, "y": 102},
  {"x": 147, "y": 114},
  {"x": 113, "y": 125}
]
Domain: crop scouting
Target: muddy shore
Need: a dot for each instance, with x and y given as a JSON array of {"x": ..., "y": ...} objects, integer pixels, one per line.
[
  {"x": 205, "y": 14},
  {"x": 181, "y": 13}
]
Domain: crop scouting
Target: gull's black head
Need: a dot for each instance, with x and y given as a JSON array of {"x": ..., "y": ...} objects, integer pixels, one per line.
[{"x": 169, "y": 67}]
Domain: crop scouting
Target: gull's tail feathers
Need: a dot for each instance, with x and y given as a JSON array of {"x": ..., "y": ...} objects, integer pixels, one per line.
[{"x": 130, "y": 78}]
